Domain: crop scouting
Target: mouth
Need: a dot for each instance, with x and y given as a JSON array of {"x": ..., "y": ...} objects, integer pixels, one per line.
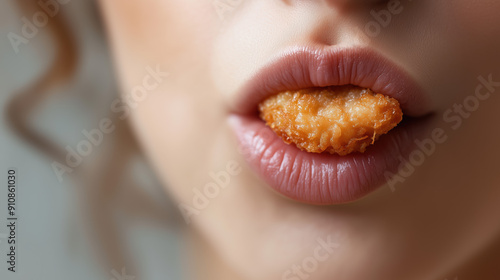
[{"x": 326, "y": 179}]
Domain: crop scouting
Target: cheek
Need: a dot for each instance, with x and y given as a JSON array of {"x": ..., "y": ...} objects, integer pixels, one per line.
[
  {"x": 153, "y": 29},
  {"x": 478, "y": 28},
  {"x": 179, "y": 128},
  {"x": 452, "y": 43},
  {"x": 476, "y": 17},
  {"x": 175, "y": 124}
]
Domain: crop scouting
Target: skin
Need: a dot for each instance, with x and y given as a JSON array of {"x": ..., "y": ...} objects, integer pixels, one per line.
[{"x": 440, "y": 223}]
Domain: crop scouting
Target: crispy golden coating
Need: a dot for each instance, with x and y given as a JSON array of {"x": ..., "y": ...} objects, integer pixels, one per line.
[{"x": 339, "y": 120}]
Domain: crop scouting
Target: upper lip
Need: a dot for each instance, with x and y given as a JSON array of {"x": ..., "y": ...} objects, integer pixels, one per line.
[{"x": 306, "y": 67}]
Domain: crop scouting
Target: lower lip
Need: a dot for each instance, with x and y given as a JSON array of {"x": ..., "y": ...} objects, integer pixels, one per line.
[{"x": 323, "y": 179}]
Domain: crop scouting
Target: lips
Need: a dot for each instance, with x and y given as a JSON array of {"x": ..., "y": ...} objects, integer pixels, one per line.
[{"x": 324, "y": 178}]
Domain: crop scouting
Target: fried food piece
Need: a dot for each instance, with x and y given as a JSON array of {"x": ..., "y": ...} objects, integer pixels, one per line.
[{"x": 338, "y": 120}]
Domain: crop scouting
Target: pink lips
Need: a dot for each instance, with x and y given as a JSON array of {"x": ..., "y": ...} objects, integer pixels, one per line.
[{"x": 325, "y": 178}]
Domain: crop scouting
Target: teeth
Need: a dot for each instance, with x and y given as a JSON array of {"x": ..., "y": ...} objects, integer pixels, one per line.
[{"x": 338, "y": 120}]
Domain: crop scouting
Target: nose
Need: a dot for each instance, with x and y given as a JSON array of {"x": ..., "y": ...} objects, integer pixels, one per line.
[{"x": 340, "y": 21}]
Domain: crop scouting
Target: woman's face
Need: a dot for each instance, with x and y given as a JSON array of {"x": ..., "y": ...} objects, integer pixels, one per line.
[{"x": 420, "y": 226}]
